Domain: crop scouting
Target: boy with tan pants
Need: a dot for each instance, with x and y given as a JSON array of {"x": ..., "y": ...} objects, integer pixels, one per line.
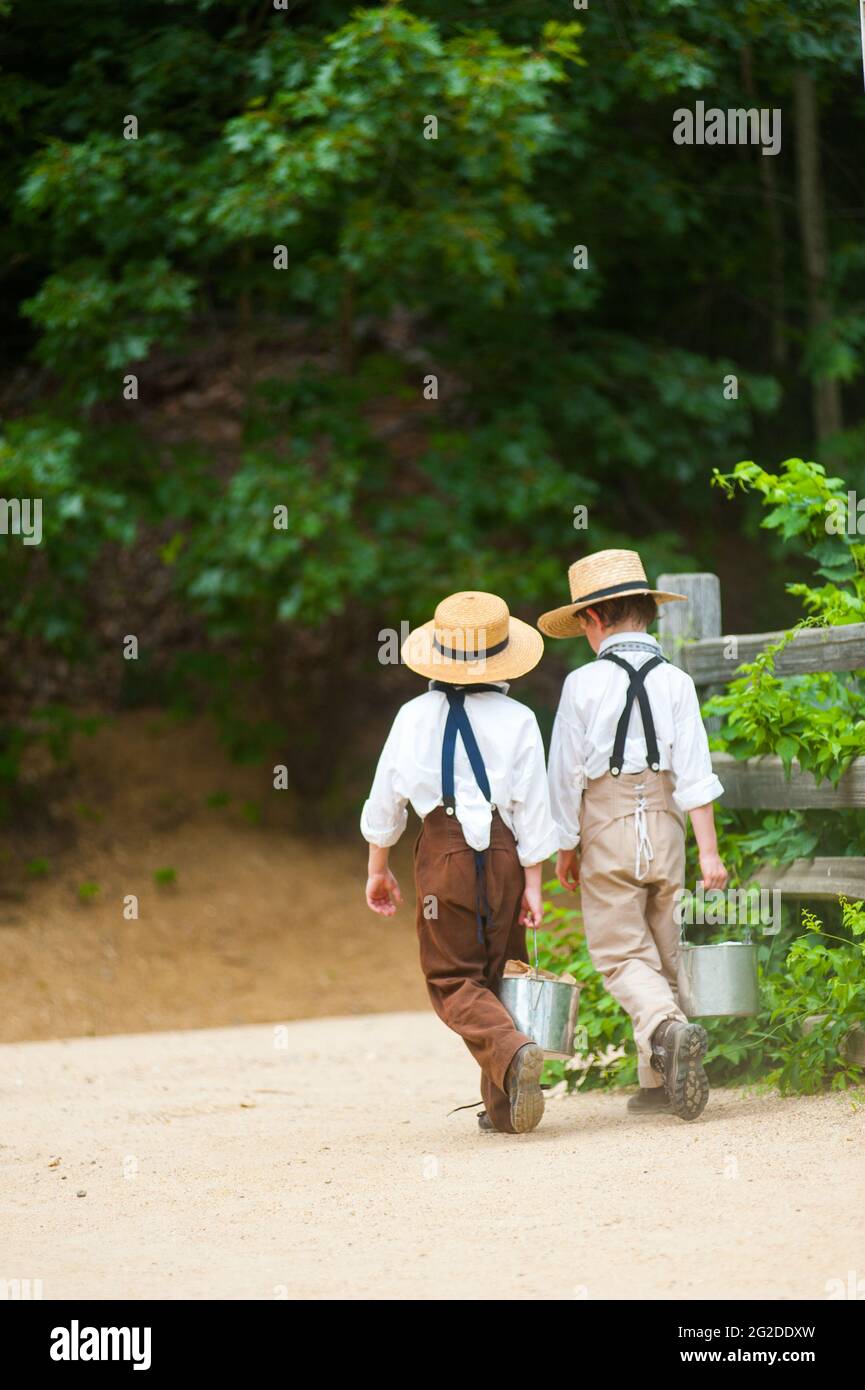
[{"x": 621, "y": 784}]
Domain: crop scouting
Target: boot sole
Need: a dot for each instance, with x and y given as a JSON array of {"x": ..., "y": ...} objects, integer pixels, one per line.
[
  {"x": 689, "y": 1086},
  {"x": 526, "y": 1096}
]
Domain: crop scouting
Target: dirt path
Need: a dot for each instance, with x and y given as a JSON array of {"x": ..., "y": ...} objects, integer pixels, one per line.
[{"x": 319, "y": 1161}]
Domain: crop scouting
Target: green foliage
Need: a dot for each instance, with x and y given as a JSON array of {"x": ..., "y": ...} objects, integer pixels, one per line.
[
  {"x": 406, "y": 258},
  {"x": 216, "y": 800},
  {"x": 88, "y": 891},
  {"x": 48, "y": 727},
  {"x": 165, "y": 878},
  {"x": 452, "y": 218},
  {"x": 811, "y": 979},
  {"x": 281, "y": 542},
  {"x": 107, "y": 326},
  {"x": 825, "y": 985},
  {"x": 778, "y": 837},
  {"x": 303, "y": 162},
  {"x": 817, "y": 719},
  {"x": 45, "y": 460},
  {"x": 810, "y": 509}
]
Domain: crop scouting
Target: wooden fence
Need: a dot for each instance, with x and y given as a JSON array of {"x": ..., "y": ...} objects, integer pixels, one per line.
[{"x": 691, "y": 636}]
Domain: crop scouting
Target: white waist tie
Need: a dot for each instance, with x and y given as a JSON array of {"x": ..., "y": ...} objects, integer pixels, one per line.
[{"x": 644, "y": 849}]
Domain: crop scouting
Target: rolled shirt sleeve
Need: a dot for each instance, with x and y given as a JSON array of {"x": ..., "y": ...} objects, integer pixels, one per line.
[
  {"x": 385, "y": 812},
  {"x": 535, "y": 829},
  {"x": 696, "y": 782},
  {"x": 567, "y": 772}
]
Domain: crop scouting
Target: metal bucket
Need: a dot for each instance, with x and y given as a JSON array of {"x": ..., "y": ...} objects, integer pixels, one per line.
[
  {"x": 719, "y": 979},
  {"x": 545, "y": 1010}
]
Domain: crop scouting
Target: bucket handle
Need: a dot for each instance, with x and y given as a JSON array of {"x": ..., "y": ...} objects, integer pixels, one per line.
[{"x": 537, "y": 977}]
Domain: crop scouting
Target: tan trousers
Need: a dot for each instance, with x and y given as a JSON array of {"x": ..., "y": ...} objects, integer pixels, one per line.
[{"x": 632, "y": 864}]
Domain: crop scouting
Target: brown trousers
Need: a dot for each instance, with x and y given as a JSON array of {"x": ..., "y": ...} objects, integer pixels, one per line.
[
  {"x": 632, "y": 866},
  {"x": 462, "y": 972}
]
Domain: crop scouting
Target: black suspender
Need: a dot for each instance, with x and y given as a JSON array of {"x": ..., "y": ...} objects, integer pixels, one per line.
[
  {"x": 458, "y": 723},
  {"x": 636, "y": 691}
]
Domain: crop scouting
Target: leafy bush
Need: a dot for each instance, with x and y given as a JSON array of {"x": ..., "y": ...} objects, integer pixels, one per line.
[
  {"x": 818, "y": 719},
  {"x": 819, "y": 982},
  {"x": 812, "y": 979},
  {"x": 52, "y": 464}
]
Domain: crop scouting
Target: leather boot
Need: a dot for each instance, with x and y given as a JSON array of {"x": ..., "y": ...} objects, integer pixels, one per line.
[{"x": 678, "y": 1050}]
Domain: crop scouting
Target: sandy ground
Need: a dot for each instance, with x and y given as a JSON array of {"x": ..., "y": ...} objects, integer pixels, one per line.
[{"x": 317, "y": 1159}]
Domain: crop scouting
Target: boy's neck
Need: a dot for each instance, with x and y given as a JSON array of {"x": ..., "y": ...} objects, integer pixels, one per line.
[{"x": 630, "y": 628}]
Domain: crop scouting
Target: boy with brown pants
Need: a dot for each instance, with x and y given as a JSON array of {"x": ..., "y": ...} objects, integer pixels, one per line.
[
  {"x": 470, "y": 760},
  {"x": 621, "y": 785}
]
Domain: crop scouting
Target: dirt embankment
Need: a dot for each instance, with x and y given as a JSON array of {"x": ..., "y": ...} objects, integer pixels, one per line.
[{"x": 254, "y": 924}]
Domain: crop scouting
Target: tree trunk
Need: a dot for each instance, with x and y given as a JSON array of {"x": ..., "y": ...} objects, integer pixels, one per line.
[
  {"x": 775, "y": 230},
  {"x": 812, "y": 225}
]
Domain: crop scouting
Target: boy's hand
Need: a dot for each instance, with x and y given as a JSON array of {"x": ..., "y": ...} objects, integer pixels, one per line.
[
  {"x": 382, "y": 893},
  {"x": 532, "y": 907},
  {"x": 568, "y": 869},
  {"x": 713, "y": 869}
]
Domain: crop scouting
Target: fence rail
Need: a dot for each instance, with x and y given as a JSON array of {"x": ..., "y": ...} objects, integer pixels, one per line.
[
  {"x": 818, "y": 878},
  {"x": 691, "y": 637},
  {"x": 714, "y": 660},
  {"x": 762, "y": 782}
]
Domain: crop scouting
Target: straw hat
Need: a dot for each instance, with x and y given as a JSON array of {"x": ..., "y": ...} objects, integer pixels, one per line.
[
  {"x": 471, "y": 639},
  {"x": 606, "y": 574}
]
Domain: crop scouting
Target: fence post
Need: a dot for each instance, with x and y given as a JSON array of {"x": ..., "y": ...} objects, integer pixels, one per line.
[
  {"x": 679, "y": 623},
  {"x": 699, "y": 617}
]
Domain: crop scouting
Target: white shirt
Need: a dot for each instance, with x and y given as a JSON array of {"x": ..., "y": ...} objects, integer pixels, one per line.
[
  {"x": 593, "y": 698},
  {"x": 410, "y": 770}
]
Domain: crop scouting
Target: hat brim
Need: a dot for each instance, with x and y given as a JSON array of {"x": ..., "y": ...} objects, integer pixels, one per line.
[
  {"x": 523, "y": 652},
  {"x": 563, "y": 622}
]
